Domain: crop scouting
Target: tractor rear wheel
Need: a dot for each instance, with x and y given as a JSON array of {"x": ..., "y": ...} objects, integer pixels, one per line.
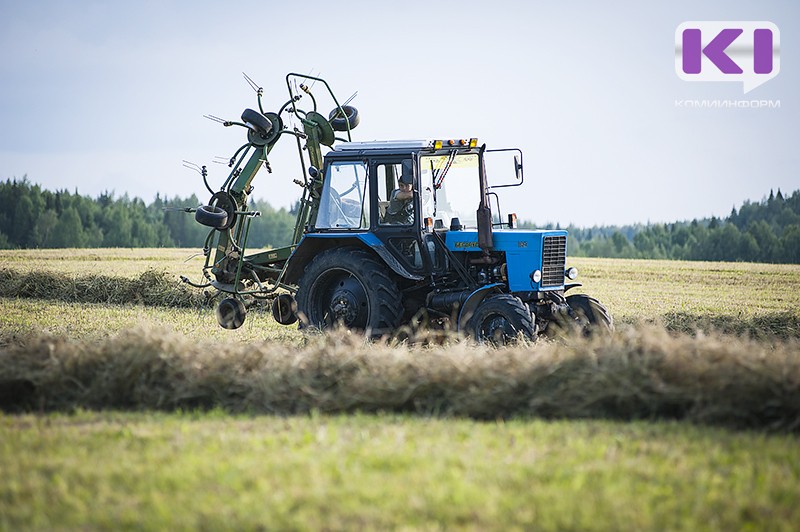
[
  {"x": 351, "y": 288},
  {"x": 500, "y": 319},
  {"x": 590, "y": 316}
]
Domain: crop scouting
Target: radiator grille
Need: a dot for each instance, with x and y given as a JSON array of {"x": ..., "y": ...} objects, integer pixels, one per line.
[{"x": 554, "y": 257}]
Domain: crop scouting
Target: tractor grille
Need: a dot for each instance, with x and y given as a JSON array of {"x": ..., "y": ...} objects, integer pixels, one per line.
[{"x": 554, "y": 257}]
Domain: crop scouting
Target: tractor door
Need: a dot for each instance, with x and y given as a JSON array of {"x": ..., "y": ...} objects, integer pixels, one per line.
[
  {"x": 344, "y": 202},
  {"x": 397, "y": 214}
]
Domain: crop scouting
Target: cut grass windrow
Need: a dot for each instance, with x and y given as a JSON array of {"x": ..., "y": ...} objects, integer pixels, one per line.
[
  {"x": 151, "y": 287},
  {"x": 643, "y": 373}
]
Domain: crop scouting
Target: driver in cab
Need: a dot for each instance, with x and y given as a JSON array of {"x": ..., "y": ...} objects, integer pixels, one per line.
[{"x": 400, "y": 210}]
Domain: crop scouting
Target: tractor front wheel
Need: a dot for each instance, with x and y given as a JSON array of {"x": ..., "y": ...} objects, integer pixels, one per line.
[
  {"x": 500, "y": 319},
  {"x": 351, "y": 288},
  {"x": 589, "y": 315}
]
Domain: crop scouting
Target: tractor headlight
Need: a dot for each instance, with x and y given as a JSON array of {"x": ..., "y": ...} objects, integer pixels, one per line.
[
  {"x": 536, "y": 276},
  {"x": 571, "y": 273}
]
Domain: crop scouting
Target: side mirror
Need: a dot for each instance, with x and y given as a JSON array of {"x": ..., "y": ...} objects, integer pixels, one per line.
[
  {"x": 313, "y": 172},
  {"x": 517, "y": 168}
]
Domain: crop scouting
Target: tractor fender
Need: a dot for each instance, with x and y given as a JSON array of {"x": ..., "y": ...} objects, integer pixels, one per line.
[
  {"x": 313, "y": 244},
  {"x": 570, "y": 286},
  {"x": 475, "y": 299}
]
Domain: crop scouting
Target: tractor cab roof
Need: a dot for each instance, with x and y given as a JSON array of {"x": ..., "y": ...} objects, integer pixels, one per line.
[
  {"x": 402, "y": 146},
  {"x": 392, "y": 145}
]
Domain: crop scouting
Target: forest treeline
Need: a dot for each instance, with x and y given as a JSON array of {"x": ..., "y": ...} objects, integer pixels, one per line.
[
  {"x": 35, "y": 218},
  {"x": 764, "y": 231}
]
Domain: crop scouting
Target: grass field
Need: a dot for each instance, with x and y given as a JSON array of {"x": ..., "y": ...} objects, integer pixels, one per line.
[{"x": 155, "y": 457}]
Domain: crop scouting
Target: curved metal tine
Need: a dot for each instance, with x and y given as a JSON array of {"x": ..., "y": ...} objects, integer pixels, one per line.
[
  {"x": 311, "y": 74},
  {"x": 253, "y": 84},
  {"x": 192, "y": 166},
  {"x": 350, "y": 99},
  {"x": 215, "y": 119}
]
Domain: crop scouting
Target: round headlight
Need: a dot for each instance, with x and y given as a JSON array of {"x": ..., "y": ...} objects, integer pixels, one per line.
[
  {"x": 536, "y": 276},
  {"x": 571, "y": 273}
]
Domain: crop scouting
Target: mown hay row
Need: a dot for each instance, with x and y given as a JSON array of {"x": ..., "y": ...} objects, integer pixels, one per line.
[
  {"x": 784, "y": 324},
  {"x": 643, "y": 373},
  {"x": 152, "y": 287}
]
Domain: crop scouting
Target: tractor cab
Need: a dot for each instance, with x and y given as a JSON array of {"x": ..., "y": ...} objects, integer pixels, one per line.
[{"x": 400, "y": 192}]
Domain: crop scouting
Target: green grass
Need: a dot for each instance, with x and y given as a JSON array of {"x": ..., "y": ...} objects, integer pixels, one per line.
[{"x": 216, "y": 471}]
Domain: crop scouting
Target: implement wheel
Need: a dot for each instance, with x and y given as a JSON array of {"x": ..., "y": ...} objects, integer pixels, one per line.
[
  {"x": 351, "y": 288},
  {"x": 340, "y": 123},
  {"x": 500, "y": 319}
]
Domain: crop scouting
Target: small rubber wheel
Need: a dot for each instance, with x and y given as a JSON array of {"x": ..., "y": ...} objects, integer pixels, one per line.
[
  {"x": 258, "y": 120},
  {"x": 211, "y": 216},
  {"x": 284, "y": 309},
  {"x": 231, "y": 313},
  {"x": 339, "y": 122}
]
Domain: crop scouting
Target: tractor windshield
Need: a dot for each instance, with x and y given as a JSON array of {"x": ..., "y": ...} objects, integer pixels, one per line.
[{"x": 449, "y": 187}]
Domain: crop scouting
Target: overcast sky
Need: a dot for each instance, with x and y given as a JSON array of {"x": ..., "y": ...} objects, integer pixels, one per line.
[{"x": 110, "y": 96}]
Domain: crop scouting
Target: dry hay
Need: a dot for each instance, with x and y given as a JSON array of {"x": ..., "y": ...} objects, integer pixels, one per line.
[
  {"x": 640, "y": 373},
  {"x": 151, "y": 287}
]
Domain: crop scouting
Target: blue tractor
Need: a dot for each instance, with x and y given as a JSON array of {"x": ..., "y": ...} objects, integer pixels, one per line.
[{"x": 389, "y": 233}]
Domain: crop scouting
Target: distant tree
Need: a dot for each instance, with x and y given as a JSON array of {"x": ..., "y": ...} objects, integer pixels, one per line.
[
  {"x": 44, "y": 228},
  {"x": 791, "y": 244},
  {"x": 23, "y": 221},
  {"x": 768, "y": 243},
  {"x": 68, "y": 232},
  {"x": 120, "y": 226}
]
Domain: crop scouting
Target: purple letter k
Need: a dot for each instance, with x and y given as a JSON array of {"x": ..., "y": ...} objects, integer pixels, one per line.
[{"x": 715, "y": 51}]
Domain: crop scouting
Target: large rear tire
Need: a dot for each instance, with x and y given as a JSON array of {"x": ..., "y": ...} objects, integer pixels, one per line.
[
  {"x": 589, "y": 315},
  {"x": 351, "y": 288},
  {"x": 500, "y": 320}
]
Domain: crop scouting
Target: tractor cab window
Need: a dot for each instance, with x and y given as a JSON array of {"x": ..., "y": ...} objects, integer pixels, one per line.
[
  {"x": 345, "y": 197},
  {"x": 450, "y": 188},
  {"x": 396, "y": 193}
]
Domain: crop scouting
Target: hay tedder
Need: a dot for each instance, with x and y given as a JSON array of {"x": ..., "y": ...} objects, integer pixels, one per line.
[{"x": 388, "y": 234}]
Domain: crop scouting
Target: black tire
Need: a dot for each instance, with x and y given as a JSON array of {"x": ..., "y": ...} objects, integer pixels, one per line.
[
  {"x": 258, "y": 120},
  {"x": 231, "y": 313},
  {"x": 211, "y": 216},
  {"x": 284, "y": 309},
  {"x": 339, "y": 123},
  {"x": 589, "y": 315},
  {"x": 352, "y": 288},
  {"x": 500, "y": 319}
]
